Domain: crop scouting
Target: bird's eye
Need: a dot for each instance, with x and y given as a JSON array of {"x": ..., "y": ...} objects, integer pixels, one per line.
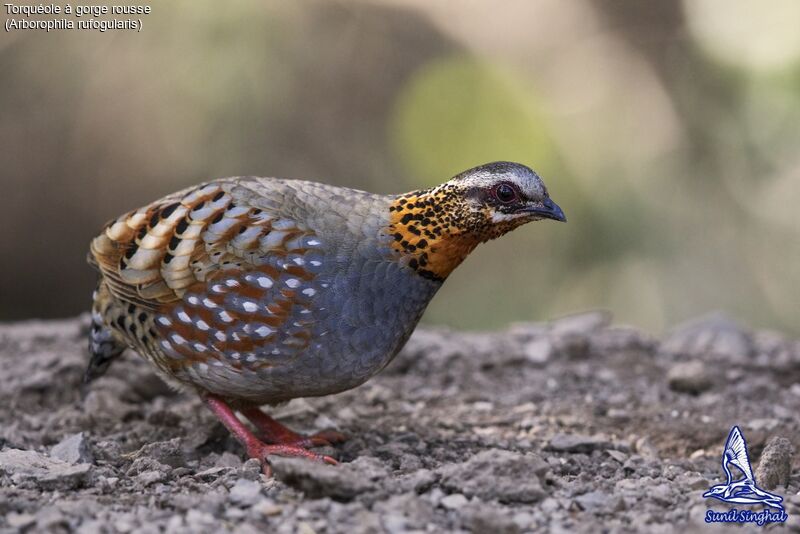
[{"x": 505, "y": 193}]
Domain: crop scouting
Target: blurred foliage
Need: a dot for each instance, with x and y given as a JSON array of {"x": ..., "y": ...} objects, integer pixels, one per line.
[
  {"x": 667, "y": 132},
  {"x": 459, "y": 112}
]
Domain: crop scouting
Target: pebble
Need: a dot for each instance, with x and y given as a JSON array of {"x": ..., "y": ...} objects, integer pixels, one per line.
[
  {"x": 505, "y": 475},
  {"x": 775, "y": 465},
  {"x": 267, "y": 507},
  {"x": 48, "y": 473},
  {"x": 245, "y": 492},
  {"x": 539, "y": 351},
  {"x": 169, "y": 453},
  {"x": 318, "y": 480},
  {"x": 689, "y": 377},
  {"x": 617, "y": 455},
  {"x": 20, "y": 521},
  {"x": 73, "y": 449},
  {"x": 454, "y": 501},
  {"x": 594, "y": 501},
  {"x": 714, "y": 336},
  {"x": 147, "y": 478}
]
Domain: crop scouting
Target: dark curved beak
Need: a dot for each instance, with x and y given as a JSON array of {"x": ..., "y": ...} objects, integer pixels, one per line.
[{"x": 548, "y": 210}]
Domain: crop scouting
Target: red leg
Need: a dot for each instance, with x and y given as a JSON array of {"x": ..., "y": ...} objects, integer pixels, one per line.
[
  {"x": 276, "y": 433},
  {"x": 255, "y": 447}
]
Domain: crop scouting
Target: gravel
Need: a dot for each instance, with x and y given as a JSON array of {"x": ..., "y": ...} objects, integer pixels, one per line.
[{"x": 577, "y": 425}]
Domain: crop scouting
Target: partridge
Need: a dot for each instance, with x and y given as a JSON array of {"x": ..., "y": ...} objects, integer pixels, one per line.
[{"x": 253, "y": 291}]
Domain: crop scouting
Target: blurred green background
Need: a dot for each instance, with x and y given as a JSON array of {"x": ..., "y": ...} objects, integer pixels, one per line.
[{"x": 668, "y": 132}]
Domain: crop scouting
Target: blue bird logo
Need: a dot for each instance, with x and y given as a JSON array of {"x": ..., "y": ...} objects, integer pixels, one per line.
[{"x": 743, "y": 490}]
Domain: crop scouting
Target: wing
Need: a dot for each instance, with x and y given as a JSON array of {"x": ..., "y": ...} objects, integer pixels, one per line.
[
  {"x": 221, "y": 271},
  {"x": 736, "y": 452}
]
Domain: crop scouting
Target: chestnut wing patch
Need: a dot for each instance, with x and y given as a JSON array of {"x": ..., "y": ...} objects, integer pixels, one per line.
[{"x": 221, "y": 278}]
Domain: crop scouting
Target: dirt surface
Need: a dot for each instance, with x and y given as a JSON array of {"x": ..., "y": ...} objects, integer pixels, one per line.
[{"x": 570, "y": 426}]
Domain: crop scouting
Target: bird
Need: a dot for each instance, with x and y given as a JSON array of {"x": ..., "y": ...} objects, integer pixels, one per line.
[
  {"x": 254, "y": 291},
  {"x": 744, "y": 490}
]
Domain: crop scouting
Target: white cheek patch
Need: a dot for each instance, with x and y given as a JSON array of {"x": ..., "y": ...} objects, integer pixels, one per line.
[{"x": 498, "y": 217}]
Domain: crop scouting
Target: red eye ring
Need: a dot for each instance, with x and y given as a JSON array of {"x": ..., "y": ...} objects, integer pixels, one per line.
[{"x": 505, "y": 193}]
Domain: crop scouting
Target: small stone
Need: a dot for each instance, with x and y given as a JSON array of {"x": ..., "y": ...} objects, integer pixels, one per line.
[
  {"x": 619, "y": 414},
  {"x": 550, "y": 505},
  {"x": 689, "y": 377},
  {"x": 395, "y": 523},
  {"x": 20, "y": 521},
  {"x": 267, "y": 507},
  {"x": 108, "y": 451},
  {"x": 174, "y": 523},
  {"x": 51, "y": 519},
  {"x": 523, "y": 520},
  {"x": 594, "y": 501},
  {"x": 48, "y": 473},
  {"x": 147, "y": 478},
  {"x": 482, "y": 517},
  {"x": 245, "y": 492},
  {"x": 498, "y": 474},
  {"x": 776, "y": 463},
  {"x": 251, "y": 469},
  {"x": 234, "y": 513},
  {"x": 73, "y": 449},
  {"x": 454, "y": 501},
  {"x": 577, "y": 443},
  {"x": 323, "y": 422},
  {"x": 619, "y": 456},
  {"x": 539, "y": 351},
  {"x": 144, "y": 464},
  {"x": 198, "y": 521},
  {"x": 715, "y": 336},
  {"x": 165, "y": 452},
  {"x": 228, "y": 459},
  {"x": 699, "y": 453},
  {"x": 245, "y": 528},
  {"x": 317, "y": 480}
]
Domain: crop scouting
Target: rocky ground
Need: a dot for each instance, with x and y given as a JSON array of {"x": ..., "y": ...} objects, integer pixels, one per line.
[{"x": 572, "y": 426}]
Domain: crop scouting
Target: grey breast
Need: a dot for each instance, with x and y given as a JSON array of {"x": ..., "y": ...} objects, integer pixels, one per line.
[{"x": 365, "y": 303}]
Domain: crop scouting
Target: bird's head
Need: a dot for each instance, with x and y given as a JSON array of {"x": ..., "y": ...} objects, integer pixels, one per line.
[
  {"x": 502, "y": 193},
  {"x": 715, "y": 491},
  {"x": 435, "y": 229}
]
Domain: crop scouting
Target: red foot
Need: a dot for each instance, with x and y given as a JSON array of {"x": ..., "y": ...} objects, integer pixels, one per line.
[
  {"x": 277, "y": 434},
  {"x": 262, "y": 451},
  {"x": 282, "y": 441}
]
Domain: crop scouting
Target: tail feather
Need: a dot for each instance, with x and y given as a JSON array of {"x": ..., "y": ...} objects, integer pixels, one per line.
[{"x": 104, "y": 346}]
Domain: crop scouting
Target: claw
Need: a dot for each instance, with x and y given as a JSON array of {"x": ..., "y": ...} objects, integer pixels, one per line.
[
  {"x": 262, "y": 451},
  {"x": 277, "y": 434},
  {"x": 281, "y": 440},
  {"x": 326, "y": 438}
]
